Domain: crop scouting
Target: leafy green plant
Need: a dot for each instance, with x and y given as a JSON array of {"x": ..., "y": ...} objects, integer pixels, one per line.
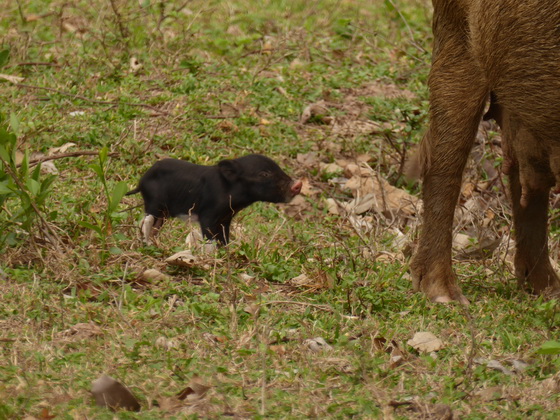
[
  {"x": 23, "y": 191},
  {"x": 550, "y": 347},
  {"x": 114, "y": 195},
  {"x": 4, "y": 57},
  {"x": 549, "y": 312}
]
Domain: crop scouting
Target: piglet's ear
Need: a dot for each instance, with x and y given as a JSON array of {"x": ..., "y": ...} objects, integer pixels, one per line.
[{"x": 229, "y": 169}]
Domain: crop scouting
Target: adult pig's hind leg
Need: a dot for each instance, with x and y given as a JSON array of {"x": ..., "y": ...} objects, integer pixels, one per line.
[{"x": 531, "y": 178}]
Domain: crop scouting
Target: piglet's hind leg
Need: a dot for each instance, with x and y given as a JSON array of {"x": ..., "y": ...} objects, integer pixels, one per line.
[
  {"x": 146, "y": 226},
  {"x": 150, "y": 226}
]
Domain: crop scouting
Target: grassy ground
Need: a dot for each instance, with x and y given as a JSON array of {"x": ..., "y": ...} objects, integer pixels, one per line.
[{"x": 206, "y": 80}]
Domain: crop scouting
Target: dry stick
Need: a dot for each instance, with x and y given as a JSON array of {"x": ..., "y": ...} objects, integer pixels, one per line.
[
  {"x": 42, "y": 159},
  {"x": 293, "y": 302},
  {"x": 474, "y": 345},
  {"x": 263, "y": 368},
  {"x": 32, "y": 63},
  {"x": 312, "y": 305},
  {"x": 123, "y": 283},
  {"x": 93, "y": 101},
  {"x": 407, "y": 27},
  {"x": 122, "y": 29}
]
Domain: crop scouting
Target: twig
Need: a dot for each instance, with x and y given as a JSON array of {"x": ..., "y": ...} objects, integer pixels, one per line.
[
  {"x": 293, "y": 302},
  {"x": 123, "y": 283},
  {"x": 32, "y": 63},
  {"x": 474, "y": 344},
  {"x": 263, "y": 368},
  {"x": 122, "y": 29},
  {"x": 93, "y": 101},
  {"x": 412, "y": 41},
  {"x": 65, "y": 155}
]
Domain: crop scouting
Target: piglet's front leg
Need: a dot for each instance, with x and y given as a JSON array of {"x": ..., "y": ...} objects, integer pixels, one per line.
[{"x": 216, "y": 230}]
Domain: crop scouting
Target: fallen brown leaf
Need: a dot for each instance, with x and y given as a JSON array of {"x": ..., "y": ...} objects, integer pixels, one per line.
[
  {"x": 110, "y": 393},
  {"x": 194, "y": 391},
  {"x": 425, "y": 342}
]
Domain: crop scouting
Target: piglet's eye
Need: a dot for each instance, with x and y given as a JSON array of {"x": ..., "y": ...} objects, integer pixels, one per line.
[{"x": 265, "y": 174}]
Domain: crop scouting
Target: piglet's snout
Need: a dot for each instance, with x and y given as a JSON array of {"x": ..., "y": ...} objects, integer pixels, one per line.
[{"x": 295, "y": 189}]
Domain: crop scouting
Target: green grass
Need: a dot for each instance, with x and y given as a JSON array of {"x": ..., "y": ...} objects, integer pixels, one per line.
[{"x": 219, "y": 80}]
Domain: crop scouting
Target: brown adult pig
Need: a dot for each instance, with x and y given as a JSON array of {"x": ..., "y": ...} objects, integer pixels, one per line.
[{"x": 510, "y": 48}]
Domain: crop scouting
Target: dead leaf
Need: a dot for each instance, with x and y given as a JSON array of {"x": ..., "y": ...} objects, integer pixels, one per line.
[
  {"x": 32, "y": 18},
  {"x": 234, "y": 30},
  {"x": 425, "y": 342},
  {"x": 278, "y": 349},
  {"x": 332, "y": 206},
  {"x": 297, "y": 208},
  {"x": 493, "y": 364},
  {"x": 316, "y": 110},
  {"x": 351, "y": 169},
  {"x": 68, "y": 27},
  {"x": 110, "y": 393},
  {"x": 363, "y": 158},
  {"x": 153, "y": 275},
  {"x": 246, "y": 278},
  {"x": 296, "y": 63},
  {"x": 194, "y": 391},
  {"x": 468, "y": 189},
  {"x": 551, "y": 385},
  {"x": 214, "y": 338},
  {"x": 166, "y": 343},
  {"x": 317, "y": 344},
  {"x": 346, "y": 128},
  {"x": 267, "y": 47},
  {"x": 330, "y": 168},
  {"x": 462, "y": 241},
  {"x": 397, "y": 356},
  {"x": 493, "y": 393},
  {"x": 308, "y": 159},
  {"x": 375, "y": 193},
  {"x": 428, "y": 411},
  {"x": 135, "y": 65},
  {"x": 252, "y": 309},
  {"x": 228, "y": 127},
  {"x": 307, "y": 189},
  {"x": 386, "y": 90},
  {"x": 283, "y": 92},
  {"x": 45, "y": 414},
  {"x": 82, "y": 331},
  {"x": 49, "y": 168},
  {"x": 61, "y": 149},
  {"x": 169, "y": 404},
  {"x": 301, "y": 280},
  {"x": 519, "y": 365},
  {"x": 183, "y": 259},
  {"x": 229, "y": 111},
  {"x": 12, "y": 79},
  {"x": 316, "y": 280}
]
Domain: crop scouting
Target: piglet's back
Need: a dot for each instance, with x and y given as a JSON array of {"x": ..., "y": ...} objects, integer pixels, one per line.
[{"x": 175, "y": 186}]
